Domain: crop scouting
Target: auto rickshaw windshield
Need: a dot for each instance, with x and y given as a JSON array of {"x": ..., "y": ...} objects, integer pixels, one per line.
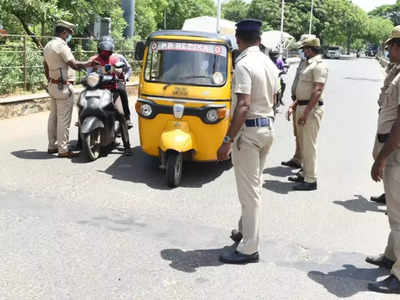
[{"x": 186, "y": 63}]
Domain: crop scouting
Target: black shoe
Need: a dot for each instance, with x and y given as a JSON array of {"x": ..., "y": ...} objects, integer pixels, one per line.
[
  {"x": 380, "y": 199},
  {"x": 128, "y": 152},
  {"x": 236, "y": 236},
  {"x": 129, "y": 124},
  {"x": 390, "y": 285},
  {"x": 238, "y": 258},
  {"x": 380, "y": 261},
  {"x": 52, "y": 151},
  {"x": 305, "y": 186},
  {"x": 297, "y": 178},
  {"x": 291, "y": 163},
  {"x": 68, "y": 154}
]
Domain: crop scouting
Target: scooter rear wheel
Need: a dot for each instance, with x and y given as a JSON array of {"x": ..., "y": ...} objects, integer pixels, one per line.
[
  {"x": 92, "y": 144},
  {"x": 174, "y": 168}
]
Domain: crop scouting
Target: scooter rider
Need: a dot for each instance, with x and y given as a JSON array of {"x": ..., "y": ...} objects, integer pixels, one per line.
[
  {"x": 106, "y": 57},
  {"x": 122, "y": 84}
]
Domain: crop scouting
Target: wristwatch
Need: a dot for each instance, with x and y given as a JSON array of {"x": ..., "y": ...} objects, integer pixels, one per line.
[{"x": 227, "y": 139}]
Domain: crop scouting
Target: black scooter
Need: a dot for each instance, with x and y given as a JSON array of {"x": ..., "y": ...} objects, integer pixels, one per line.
[{"x": 101, "y": 115}]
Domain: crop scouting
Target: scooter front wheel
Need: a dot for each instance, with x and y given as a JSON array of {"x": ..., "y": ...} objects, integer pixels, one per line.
[
  {"x": 174, "y": 168},
  {"x": 92, "y": 144}
]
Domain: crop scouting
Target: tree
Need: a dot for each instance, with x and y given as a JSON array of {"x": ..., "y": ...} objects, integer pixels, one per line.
[
  {"x": 378, "y": 30},
  {"x": 145, "y": 20},
  {"x": 43, "y": 14},
  {"x": 388, "y": 11},
  {"x": 178, "y": 11},
  {"x": 235, "y": 10}
]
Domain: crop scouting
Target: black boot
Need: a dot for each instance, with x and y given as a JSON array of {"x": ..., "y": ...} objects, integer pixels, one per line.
[
  {"x": 380, "y": 199},
  {"x": 390, "y": 285}
]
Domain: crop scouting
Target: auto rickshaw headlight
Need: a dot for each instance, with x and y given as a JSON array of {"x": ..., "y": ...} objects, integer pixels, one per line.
[
  {"x": 146, "y": 110},
  {"x": 212, "y": 115}
]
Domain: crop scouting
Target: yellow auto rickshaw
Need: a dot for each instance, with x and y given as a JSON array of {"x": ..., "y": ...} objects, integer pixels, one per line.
[{"x": 184, "y": 98}]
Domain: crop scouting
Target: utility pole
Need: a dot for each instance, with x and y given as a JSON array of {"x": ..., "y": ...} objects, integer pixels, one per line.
[
  {"x": 282, "y": 19},
  {"x": 165, "y": 18},
  {"x": 311, "y": 16},
  {"x": 218, "y": 15}
]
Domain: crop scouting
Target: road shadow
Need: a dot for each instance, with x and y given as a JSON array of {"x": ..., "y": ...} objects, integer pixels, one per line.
[
  {"x": 279, "y": 187},
  {"x": 33, "y": 154},
  {"x": 142, "y": 168},
  {"x": 360, "y": 204},
  {"x": 190, "y": 261},
  {"x": 280, "y": 171},
  {"x": 348, "y": 281}
]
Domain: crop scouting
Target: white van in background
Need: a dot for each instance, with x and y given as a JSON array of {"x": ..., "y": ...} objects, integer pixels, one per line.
[{"x": 333, "y": 52}]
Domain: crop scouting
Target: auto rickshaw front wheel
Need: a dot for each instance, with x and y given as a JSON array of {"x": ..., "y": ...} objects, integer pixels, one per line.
[{"x": 174, "y": 168}]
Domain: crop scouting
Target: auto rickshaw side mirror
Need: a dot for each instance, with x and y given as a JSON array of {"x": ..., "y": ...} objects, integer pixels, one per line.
[
  {"x": 235, "y": 54},
  {"x": 139, "y": 51}
]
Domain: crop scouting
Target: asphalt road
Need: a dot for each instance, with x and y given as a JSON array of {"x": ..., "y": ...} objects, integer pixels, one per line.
[{"x": 111, "y": 229}]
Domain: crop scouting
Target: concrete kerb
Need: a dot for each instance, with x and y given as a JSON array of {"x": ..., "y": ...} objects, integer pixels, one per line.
[{"x": 22, "y": 105}]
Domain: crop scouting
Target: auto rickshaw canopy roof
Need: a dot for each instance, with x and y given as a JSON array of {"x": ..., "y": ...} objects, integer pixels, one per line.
[{"x": 191, "y": 35}]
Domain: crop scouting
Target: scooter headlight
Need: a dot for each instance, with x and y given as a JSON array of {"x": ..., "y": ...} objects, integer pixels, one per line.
[
  {"x": 212, "y": 115},
  {"x": 93, "y": 79},
  {"x": 146, "y": 110}
]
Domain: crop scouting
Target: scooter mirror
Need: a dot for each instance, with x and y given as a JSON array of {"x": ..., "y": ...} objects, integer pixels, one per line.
[
  {"x": 139, "y": 51},
  {"x": 235, "y": 54},
  {"x": 119, "y": 65}
]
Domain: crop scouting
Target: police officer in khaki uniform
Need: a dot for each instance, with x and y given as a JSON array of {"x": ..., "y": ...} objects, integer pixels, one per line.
[
  {"x": 250, "y": 136},
  {"x": 308, "y": 105},
  {"x": 59, "y": 65},
  {"x": 296, "y": 161},
  {"x": 387, "y": 167}
]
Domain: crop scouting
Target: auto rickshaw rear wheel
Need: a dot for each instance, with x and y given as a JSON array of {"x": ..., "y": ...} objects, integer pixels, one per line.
[{"x": 174, "y": 168}]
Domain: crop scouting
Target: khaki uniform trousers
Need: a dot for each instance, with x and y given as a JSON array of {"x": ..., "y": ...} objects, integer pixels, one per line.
[
  {"x": 298, "y": 156},
  {"x": 391, "y": 184},
  {"x": 59, "y": 122},
  {"x": 307, "y": 138},
  {"x": 248, "y": 156}
]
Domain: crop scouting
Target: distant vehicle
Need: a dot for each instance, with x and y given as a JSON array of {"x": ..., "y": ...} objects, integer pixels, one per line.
[
  {"x": 371, "y": 52},
  {"x": 333, "y": 52}
]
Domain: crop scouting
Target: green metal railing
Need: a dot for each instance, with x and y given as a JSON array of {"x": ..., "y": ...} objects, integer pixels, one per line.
[{"x": 21, "y": 61}]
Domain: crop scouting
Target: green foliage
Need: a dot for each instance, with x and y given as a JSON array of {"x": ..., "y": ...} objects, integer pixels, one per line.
[
  {"x": 145, "y": 21},
  {"x": 378, "y": 30},
  {"x": 178, "y": 11},
  {"x": 12, "y": 71},
  {"x": 235, "y": 10},
  {"x": 391, "y": 12}
]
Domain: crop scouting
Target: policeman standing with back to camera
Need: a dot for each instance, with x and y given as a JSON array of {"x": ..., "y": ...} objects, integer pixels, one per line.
[
  {"x": 309, "y": 88},
  {"x": 59, "y": 65},
  {"x": 387, "y": 167},
  {"x": 250, "y": 135}
]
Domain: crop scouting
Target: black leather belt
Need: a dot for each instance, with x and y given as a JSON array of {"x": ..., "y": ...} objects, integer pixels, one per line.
[
  {"x": 259, "y": 122},
  {"x": 382, "y": 138},
  {"x": 305, "y": 102}
]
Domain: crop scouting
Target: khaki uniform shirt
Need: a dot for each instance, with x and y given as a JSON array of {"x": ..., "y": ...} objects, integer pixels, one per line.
[
  {"x": 255, "y": 75},
  {"x": 313, "y": 70},
  {"x": 389, "y": 101},
  {"x": 57, "y": 53},
  {"x": 296, "y": 78}
]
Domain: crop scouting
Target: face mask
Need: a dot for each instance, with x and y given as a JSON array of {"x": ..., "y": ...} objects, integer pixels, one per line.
[
  {"x": 301, "y": 53},
  {"x": 69, "y": 38},
  {"x": 105, "y": 54}
]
